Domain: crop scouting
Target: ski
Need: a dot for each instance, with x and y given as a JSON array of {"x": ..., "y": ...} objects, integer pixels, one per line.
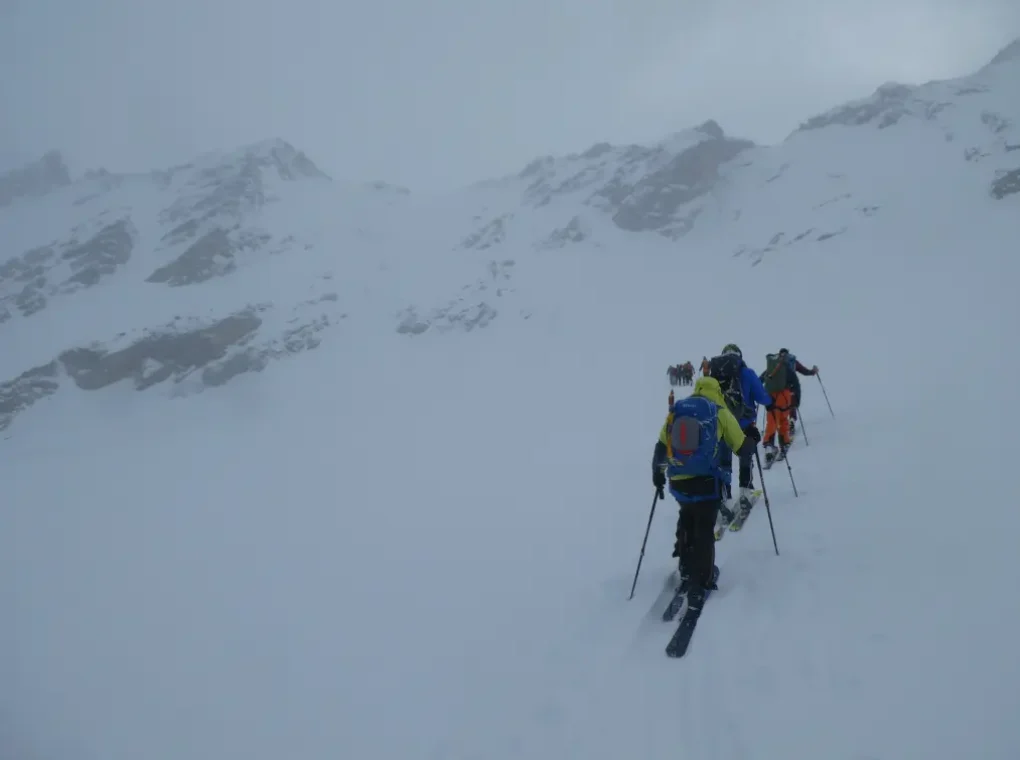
[
  {"x": 744, "y": 512},
  {"x": 728, "y": 518},
  {"x": 676, "y": 603},
  {"x": 722, "y": 522},
  {"x": 681, "y": 641}
]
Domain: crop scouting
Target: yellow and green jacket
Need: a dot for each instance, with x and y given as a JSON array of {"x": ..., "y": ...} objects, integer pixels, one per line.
[{"x": 729, "y": 429}]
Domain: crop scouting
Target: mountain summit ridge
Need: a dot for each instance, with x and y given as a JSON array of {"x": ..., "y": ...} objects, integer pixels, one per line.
[{"x": 183, "y": 278}]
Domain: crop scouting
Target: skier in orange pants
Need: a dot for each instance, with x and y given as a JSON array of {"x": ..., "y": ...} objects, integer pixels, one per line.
[
  {"x": 778, "y": 420},
  {"x": 780, "y": 380}
]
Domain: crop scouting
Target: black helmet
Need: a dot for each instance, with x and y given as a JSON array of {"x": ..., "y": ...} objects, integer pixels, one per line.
[{"x": 732, "y": 348}]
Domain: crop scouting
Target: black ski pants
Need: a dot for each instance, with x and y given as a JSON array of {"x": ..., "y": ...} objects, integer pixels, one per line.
[
  {"x": 744, "y": 476},
  {"x": 695, "y": 529}
]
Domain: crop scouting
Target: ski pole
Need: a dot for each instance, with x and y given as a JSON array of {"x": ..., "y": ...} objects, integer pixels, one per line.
[
  {"x": 651, "y": 514},
  {"x": 819, "y": 376},
  {"x": 790, "y": 470},
  {"x": 803, "y": 430},
  {"x": 765, "y": 494}
]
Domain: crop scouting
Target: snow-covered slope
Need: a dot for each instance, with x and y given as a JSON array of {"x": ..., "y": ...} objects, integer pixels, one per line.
[{"x": 416, "y": 540}]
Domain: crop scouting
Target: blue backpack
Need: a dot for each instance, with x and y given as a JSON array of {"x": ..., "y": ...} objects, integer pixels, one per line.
[{"x": 692, "y": 435}]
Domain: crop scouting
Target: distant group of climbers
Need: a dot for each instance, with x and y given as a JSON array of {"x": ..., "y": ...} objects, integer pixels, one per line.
[
  {"x": 702, "y": 432},
  {"x": 681, "y": 374}
]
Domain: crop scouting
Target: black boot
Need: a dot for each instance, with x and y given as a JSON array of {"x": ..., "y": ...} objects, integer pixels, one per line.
[{"x": 711, "y": 584}]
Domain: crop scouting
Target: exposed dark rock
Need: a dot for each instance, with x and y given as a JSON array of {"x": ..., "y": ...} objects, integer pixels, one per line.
[
  {"x": 598, "y": 149},
  {"x": 652, "y": 204},
  {"x": 158, "y": 356},
  {"x": 491, "y": 234},
  {"x": 20, "y": 393},
  {"x": 37, "y": 178},
  {"x": 712, "y": 129},
  {"x": 257, "y": 358},
  {"x": 465, "y": 312},
  {"x": 219, "y": 195},
  {"x": 212, "y": 255},
  {"x": 888, "y": 102},
  {"x": 29, "y": 269},
  {"x": 1009, "y": 53},
  {"x": 90, "y": 262},
  {"x": 101, "y": 255},
  {"x": 538, "y": 166},
  {"x": 575, "y": 231},
  {"x": 411, "y": 323},
  {"x": 1006, "y": 184},
  {"x": 31, "y": 299},
  {"x": 456, "y": 315},
  {"x": 995, "y": 122},
  {"x": 829, "y": 235}
]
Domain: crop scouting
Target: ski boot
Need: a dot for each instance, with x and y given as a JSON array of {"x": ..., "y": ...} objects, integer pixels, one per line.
[
  {"x": 712, "y": 584},
  {"x": 696, "y": 596},
  {"x": 727, "y": 511},
  {"x": 725, "y": 517},
  {"x": 746, "y": 502},
  {"x": 770, "y": 454},
  {"x": 682, "y": 573}
]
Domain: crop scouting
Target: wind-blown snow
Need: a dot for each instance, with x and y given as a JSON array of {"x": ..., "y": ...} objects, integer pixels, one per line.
[{"x": 406, "y": 545}]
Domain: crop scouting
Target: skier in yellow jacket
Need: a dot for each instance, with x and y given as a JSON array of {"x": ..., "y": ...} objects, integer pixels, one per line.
[{"x": 687, "y": 453}]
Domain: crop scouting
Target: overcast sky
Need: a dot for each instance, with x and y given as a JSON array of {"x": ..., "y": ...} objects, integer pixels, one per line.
[{"x": 437, "y": 93}]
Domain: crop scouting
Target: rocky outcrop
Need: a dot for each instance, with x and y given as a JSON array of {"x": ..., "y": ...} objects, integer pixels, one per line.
[
  {"x": 654, "y": 188},
  {"x": 456, "y": 315},
  {"x": 219, "y": 191},
  {"x": 490, "y": 234},
  {"x": 28, "y": 281},
  {"x": 160, "y": 355},
  {"x": 19, "y": 394},
  {"x": 35, "y": 179},
  {"x": 657, "y": 202},
  {"x": 1009, "y": 53},
  {"x": 1007, "y": 183},
  {"x": 470, "y": 310},
  {"x": 575, "y": 231},
  {"x": 885, "y": 107},
  {"x": 100, "y": 256},
  {"x": 189, "y": 354}
]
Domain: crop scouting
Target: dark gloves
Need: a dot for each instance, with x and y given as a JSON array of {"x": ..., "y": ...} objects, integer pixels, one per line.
[
  {"x": 658, "y": 465},
  {"x": 753, "y": 433}
]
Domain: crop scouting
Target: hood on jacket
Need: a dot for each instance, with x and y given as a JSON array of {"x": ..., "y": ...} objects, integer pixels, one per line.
[{"x": 708, "y": 387}]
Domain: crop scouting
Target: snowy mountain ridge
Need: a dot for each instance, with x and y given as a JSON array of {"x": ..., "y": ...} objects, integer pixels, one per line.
[{"x": 260, "y": 237}]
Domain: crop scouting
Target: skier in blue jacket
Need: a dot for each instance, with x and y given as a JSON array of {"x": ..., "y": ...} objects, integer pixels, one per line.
[{"x": 754, "y": 393}]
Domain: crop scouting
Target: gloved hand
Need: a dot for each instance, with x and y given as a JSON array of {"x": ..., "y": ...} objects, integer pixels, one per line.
[
  {"x": 753, "y": 433},
  {"x": 770, "y": 406},
  {"x": 814, "y": 370},
  {"x": 658, "y": 479}
]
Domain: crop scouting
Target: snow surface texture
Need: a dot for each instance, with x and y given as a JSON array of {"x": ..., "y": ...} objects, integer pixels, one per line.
[{"x": 415, "y": 537}]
